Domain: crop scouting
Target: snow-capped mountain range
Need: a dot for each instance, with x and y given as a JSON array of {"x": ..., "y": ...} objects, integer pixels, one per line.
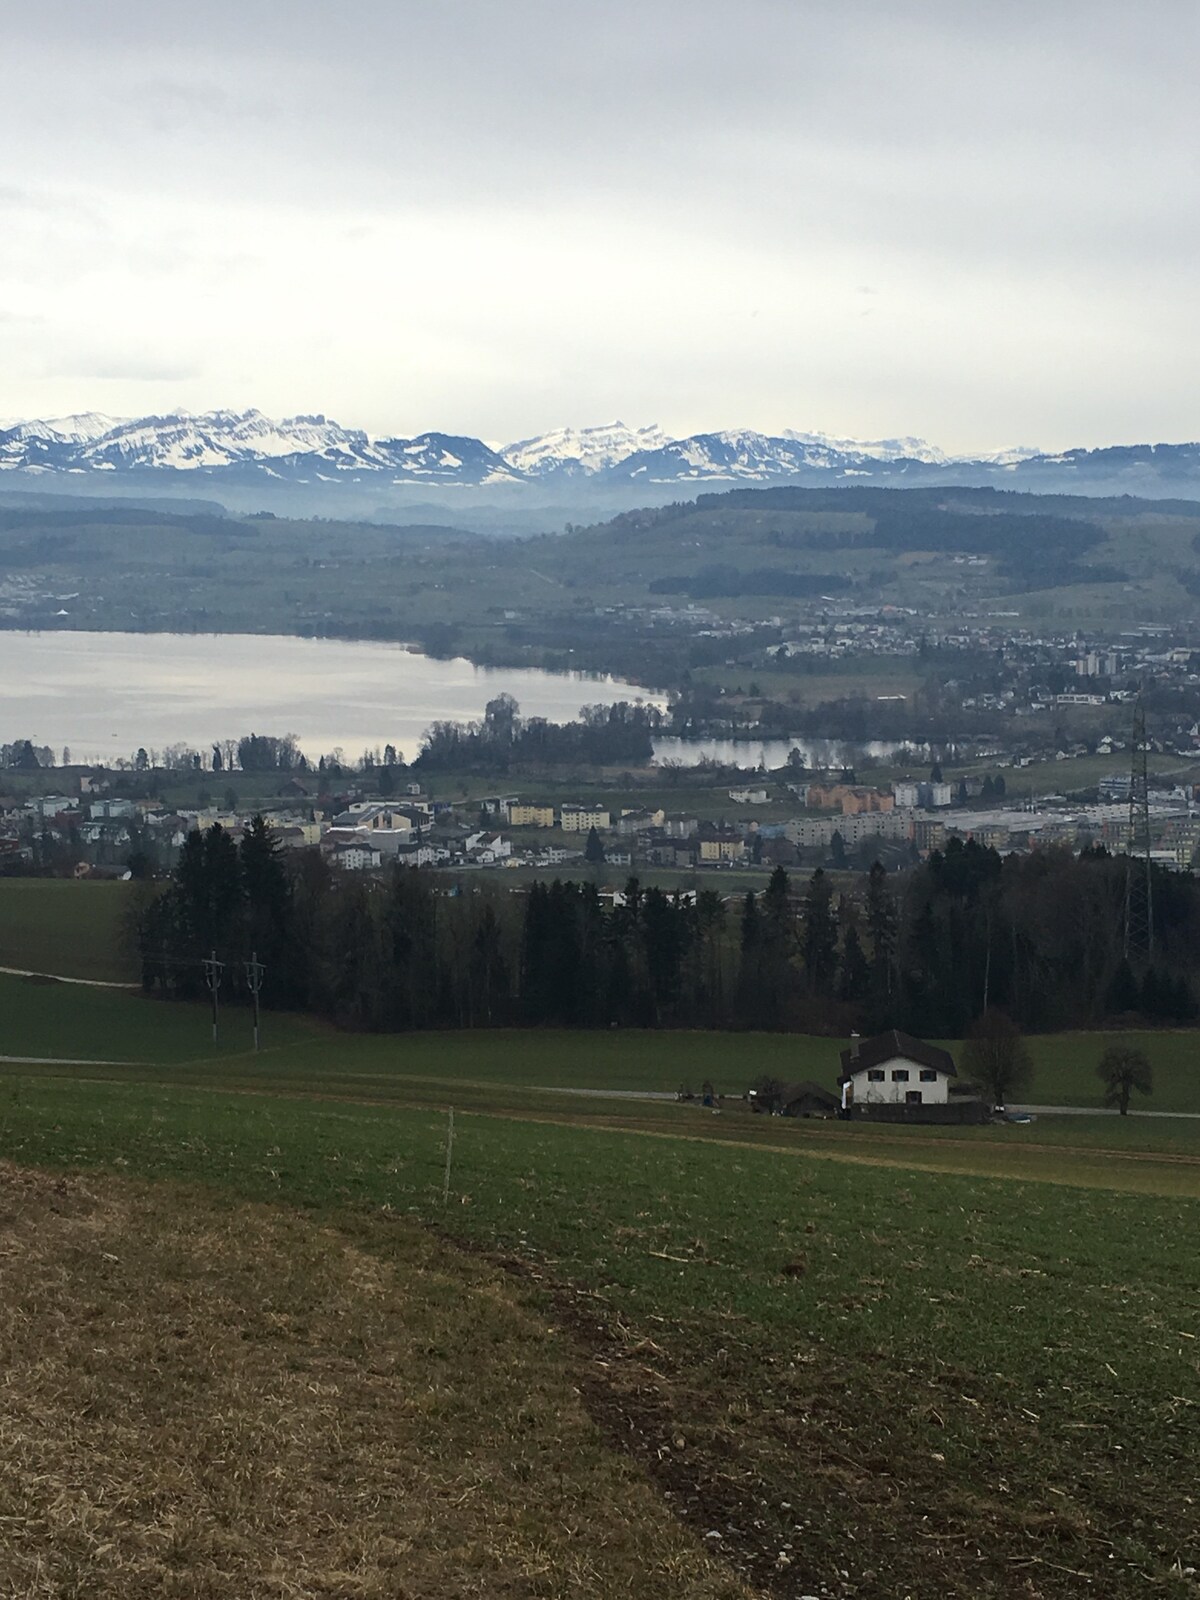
[
  {"x": 218, "y": 440},
  {"x": 246, "y": 447}
]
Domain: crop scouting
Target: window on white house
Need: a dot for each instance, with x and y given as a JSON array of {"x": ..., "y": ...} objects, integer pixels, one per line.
[
  {"x": 928, "y": 1075},
  {"x": 875, "y": 1075},
  {"x": 912, "y": 1097},
  {"x": 900, "y": 1075}
]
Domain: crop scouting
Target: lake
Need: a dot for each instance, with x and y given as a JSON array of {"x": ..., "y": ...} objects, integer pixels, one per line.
[
  {"x": 773, "y": 753},
  {"x": 104, "y": 694}
]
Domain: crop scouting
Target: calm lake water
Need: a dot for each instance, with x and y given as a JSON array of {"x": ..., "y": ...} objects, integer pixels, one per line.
[
  {"x": 104, "y": 694},
  {"x": 773, "y": 753}
]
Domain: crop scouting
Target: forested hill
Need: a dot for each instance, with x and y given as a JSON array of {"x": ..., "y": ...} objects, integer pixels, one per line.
[
  {"x": 615, "y": 596},
  {"x": 791, "y": 541},
  {"x": 875, "y": 501}
]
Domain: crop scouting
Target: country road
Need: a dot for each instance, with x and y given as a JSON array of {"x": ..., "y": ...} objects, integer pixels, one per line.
[
  {"x": 1099, "y": 1111},
  {"x": 56, "y": 977},
  {"x": 1035, "y": 1111},
  {"x": 58, "y": 1061}
]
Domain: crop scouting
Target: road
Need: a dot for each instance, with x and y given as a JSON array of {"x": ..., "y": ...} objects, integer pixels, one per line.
[
  {"x": 56, "y": 1061},
  {"x": 55, "y": 977},
  {"x": 1099, "y": 1111},
  {"x": 1033, "y": 1111}
]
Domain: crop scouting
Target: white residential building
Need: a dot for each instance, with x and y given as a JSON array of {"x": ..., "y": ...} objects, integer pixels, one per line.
[{"x": 895, "y": 1069}]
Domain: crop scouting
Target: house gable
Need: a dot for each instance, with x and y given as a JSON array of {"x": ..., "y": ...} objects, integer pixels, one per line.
[
  {"x": 895, "y": 1069},
  {"x": 871, "y": 1054}
]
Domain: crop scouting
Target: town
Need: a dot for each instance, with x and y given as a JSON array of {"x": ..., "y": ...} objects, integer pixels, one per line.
[
  {"x": 986, "y": 732},
  {"x": 114, "y": 824}
]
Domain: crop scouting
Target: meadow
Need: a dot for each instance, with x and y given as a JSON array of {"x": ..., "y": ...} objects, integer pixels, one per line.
[
  {"x": 634, "y": 1346},
  {"x": 865, "y": 1377},
  {"x": 60, "y": 926},
  {"x": 47, "y": 1019}
]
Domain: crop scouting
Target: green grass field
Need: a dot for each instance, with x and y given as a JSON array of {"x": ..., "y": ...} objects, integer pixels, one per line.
[
  {"x": 1002, "y": 1365},
  {"x": 65, "y": 1020},
  {"x": 875, "y": 1360},
  {"x": 48, "y": 1019},
  {"x": 57, "y": 925}
]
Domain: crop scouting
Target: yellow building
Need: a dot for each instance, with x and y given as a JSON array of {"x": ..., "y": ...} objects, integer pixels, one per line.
[
  {"x": 579, "y": 819},
  {"x": 722, "y": 849},
  {"x": 523, "y": 816}
]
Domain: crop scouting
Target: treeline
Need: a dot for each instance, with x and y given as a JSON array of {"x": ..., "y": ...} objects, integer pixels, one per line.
[
  {"x": 26, "y": 756},
  {"x": 504, "y": 740},
  {"x": 23, "y": 519},
  {"x": 905, "y": 526},
  {"x": 1027, "y": 539},
  {"x": 603, "y": 734},
  {"x": 1040, "y": 936}
]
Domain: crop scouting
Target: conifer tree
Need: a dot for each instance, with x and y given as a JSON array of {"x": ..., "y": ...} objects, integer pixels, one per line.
[{"x": 820, "y": 934}]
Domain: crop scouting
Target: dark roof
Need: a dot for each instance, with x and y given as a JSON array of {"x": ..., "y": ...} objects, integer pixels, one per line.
[
  {"x": 808, "y": 1090},
  {"x": 885, "y": 1046}
]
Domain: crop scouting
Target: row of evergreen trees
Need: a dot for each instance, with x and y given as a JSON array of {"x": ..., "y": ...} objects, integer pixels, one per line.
[{"x": 1039, "y": 936}]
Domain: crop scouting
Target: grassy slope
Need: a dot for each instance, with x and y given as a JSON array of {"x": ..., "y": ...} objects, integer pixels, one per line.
[
  {"x": 225, "y": 1435},
  {"x": 49, "y": 1020},
  {"x": 755, "y": 1318},
  {"x": 56, "y": 925}
]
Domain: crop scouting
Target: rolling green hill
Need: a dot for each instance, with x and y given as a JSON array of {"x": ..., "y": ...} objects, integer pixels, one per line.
[{"x": 583, "y": 598}]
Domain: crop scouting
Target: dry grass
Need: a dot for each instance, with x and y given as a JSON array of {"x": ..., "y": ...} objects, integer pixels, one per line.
[{"x": 203, "y": 1400}]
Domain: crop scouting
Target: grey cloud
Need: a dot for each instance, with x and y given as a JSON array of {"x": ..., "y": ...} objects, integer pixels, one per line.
[
  {"x": 125, "y": 368},
  {"x": 171, "y": 106},
  {"x": 1021, "y": 172}
]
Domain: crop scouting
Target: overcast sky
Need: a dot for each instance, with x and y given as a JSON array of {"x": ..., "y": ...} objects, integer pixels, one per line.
[{"x": 974, "y": 223}]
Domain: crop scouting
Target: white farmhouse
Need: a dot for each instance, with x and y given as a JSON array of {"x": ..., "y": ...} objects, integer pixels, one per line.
[{"x": 895, "y": 1069}]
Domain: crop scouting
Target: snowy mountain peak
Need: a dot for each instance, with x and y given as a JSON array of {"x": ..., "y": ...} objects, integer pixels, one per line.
[
  {"x": 248, "y": 448},
  {"x": 1004, "y": 458},
  {"x": 581, "y": 450},
  {"x": 78, "y": 429},
  {"x": 906, "y": 449}
]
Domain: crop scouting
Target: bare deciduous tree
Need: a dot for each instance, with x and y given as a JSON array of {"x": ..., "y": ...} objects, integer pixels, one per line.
[
  {"x": 996, "y": 1057},
  {"x": 1122, "y": 1069}
]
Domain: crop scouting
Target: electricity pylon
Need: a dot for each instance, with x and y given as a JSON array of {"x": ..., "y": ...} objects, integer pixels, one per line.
[{"x": 1139, "y": 882}]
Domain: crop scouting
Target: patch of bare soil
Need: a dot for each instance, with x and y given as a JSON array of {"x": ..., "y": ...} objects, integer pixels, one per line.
[
  {"x": 684, "y": 1435},
  {"x": 811, "y": 1479},
  {"x": 203, "y": 1401}
]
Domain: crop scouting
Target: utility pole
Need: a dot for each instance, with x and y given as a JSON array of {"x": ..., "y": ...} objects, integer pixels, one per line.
[
  {"x": 449, "y": 1158},
  {"x": 1139, "y": 880},
  {"x": 254, "y": 979},
  {"x": 212, "y": 977}
]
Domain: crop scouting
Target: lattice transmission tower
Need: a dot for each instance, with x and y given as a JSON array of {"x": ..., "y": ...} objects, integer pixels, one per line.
[{"x": 1139, "y": 881}]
